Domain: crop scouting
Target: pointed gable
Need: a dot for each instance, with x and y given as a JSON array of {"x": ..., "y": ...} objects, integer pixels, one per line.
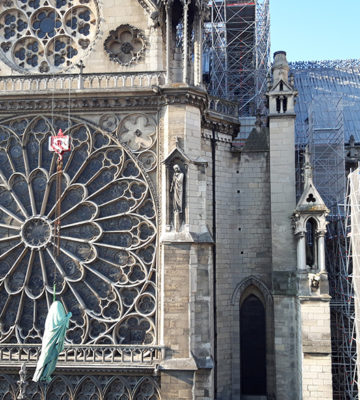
[{"x": 310, "y": 200}]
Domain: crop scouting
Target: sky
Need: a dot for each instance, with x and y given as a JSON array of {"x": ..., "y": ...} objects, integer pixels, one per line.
[{"x": 311, "y": 30}]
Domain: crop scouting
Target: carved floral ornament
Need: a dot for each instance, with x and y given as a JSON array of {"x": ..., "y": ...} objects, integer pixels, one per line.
[
  {"x": 46, "y": 35},
  {"x": 137, "y": 132},
  {"x": 125, "y": 45},
  {"x": 106, "y": 270}
]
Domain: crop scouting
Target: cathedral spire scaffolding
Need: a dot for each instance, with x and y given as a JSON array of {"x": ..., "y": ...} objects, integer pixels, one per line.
[{"x": 238, "y": 50}]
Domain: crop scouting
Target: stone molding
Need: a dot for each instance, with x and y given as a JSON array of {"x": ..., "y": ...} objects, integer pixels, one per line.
[
  {"x": 32, "y": 104},
  {"x": 185, "y": 95},
  {"x": 251, "y": 281},
  {"x": 148, "y": 6},
  {"x": 100, "y": 99},
  {"x": 179, "y": 364},
  {"x": 225, "y": 126}
]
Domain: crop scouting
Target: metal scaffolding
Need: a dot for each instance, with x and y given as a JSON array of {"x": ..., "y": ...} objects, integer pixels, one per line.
[
  {"x": 238, "y": 51},
  {"x": 339, "y": 267},
  {"x": 328, "y": 113},
  {"x": 326, "y": 143},
  {"x": 354, "y": 267}
]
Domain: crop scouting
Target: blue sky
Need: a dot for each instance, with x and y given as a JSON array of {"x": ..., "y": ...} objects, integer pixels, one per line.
[{"x": 311, "y": 30}]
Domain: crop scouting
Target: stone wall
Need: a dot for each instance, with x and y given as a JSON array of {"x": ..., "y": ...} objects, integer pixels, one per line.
[
  {"x": 316, "y": 346},
  {"x": 243, "y": 249}
]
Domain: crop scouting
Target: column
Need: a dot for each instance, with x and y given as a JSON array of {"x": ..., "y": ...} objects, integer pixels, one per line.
[
  {"x": 198, "y": 50},
  {"x": 168, "y": 40},
  {"x": 301, "y": 251},
  {"x": 321, "y": 251},
  {"x": 185, "y": 42}
]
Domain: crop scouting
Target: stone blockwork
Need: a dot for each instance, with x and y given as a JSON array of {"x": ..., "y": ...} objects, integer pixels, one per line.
[
  {"x": 316, "y": 346},
  {"x": 243, "y": 249},
  {"x": 317, "y": 377},
  {"x": 177, "y": 385},
  {"x": 176, "y": 299},
  {"x": 281, "y": 97}
]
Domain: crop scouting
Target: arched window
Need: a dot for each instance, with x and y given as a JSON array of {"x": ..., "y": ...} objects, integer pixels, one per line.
[
  {"x": 311, "y": 246},
  {"x": 253, "y": 346}
]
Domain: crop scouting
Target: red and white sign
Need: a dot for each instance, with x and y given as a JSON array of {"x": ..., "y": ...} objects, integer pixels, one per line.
[{"x": 59, "y": 144}]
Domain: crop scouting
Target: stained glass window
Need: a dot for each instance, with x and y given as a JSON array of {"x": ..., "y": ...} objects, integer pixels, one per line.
[{"x": 105, "y": 273}]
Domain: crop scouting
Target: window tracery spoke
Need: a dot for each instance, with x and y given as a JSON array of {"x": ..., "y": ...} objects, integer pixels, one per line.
[{"x": 105, "y": 271}]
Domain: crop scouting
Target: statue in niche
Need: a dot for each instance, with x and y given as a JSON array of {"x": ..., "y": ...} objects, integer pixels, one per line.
[{"x": 177, "y": 189}]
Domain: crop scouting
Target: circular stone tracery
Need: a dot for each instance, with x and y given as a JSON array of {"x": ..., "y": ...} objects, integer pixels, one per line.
[
  {"x": 105, "y": 272},
  {"x": 36, "y": 232},
  {"x": 125, "y": 45},
  {"x": 27, "y": 26}
]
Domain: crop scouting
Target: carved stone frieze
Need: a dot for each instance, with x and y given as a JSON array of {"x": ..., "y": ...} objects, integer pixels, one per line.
[
  {"x": 95, "y": 103},
  {"x": 148, "y": 100}
]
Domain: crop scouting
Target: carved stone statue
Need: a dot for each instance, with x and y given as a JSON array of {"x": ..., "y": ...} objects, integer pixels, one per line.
[
  {"x": 22, "y": 382},
  {"x": 177, "y": 188}
]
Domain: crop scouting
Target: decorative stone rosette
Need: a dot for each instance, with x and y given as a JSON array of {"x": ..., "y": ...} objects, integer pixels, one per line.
[
  {"x": 138, "y": 133},
  {"x": 125, "y": 45},
  {"x": 106, "y": 272},
  {"x": 46, "y": 35}
]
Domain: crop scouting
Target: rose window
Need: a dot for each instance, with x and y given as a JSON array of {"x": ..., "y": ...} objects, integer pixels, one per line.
[
  {"x": 105, "y": 272},
  {"x": 125, "y": 45},
  {"x": 46, "y": 36}
]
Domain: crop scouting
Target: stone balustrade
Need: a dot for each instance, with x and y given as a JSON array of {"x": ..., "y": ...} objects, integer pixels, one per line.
[
  {"x": 223, "y": 107},
  {"x": 101, "y": 355},
  {"x": 15, "y": 84}
]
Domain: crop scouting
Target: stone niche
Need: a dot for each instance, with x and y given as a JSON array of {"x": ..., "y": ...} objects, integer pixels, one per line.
[{"x": 176, "y": 192}]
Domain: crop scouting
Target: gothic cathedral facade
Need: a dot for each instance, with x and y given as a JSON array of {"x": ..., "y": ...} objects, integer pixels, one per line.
[{"x": 188, "y": 267}]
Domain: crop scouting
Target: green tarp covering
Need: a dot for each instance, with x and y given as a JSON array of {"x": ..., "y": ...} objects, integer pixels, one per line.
[{"x": 57, "y": 321}]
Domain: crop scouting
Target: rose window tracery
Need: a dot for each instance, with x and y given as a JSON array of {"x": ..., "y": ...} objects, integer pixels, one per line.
[
  {"x": 105, "y": 273},
  {"x": 125, "y": 45},
  {"x": 138, "y": 132},
  {"x": 46, "y": 35}
]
